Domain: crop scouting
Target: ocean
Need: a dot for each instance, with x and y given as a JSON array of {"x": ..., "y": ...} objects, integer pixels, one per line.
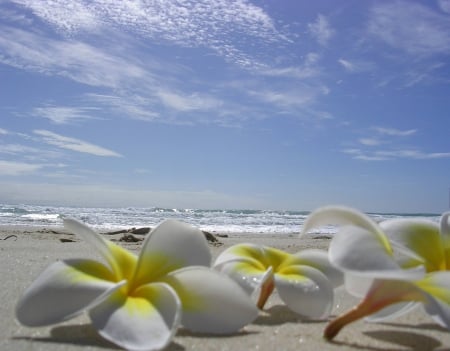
[{"x": 216, "y": 221}]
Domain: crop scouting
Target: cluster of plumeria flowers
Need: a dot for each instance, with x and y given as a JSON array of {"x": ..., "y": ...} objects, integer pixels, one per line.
[{"x": 138, "y": 302}]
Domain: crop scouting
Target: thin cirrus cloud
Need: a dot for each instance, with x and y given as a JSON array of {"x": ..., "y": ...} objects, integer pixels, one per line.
[
  {"x": 321, "y": 30},
  {"x": 78, "y": 61},
  {"x": 389, "y": 136},
  {"x": 410, "y": 27},
  {"x": 195, "y": 24},
  {"x": 394, "y": 132},
  {"x": 386, "y": 155},
  {"x": 65, "y": 114},
  {"x": 139, "y": 88},
  {"x": 356, "y": 66},
  {"x": 12, "y": 168},
  {"x": 74, "y": 144}
]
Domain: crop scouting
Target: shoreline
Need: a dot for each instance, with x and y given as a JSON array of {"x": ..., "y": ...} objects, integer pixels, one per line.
[{"x": 22, "y": 258}]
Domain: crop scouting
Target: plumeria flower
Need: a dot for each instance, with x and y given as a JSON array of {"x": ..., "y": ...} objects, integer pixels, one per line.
[
  {"x": 395, "y": 265},
  {"x": 304, "y": 281},
  {"x": 139, "y": 302}
]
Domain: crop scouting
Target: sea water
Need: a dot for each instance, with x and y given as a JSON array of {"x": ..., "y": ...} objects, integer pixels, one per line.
[{"x": 216, "y": 221}]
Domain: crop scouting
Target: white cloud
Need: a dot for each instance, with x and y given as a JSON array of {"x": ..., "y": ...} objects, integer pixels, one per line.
[
  {"x": 385, "y": 155},
  {"x": 188, "y": 103},
  {"x": 202, "y": 23},
  {"x": 356, "y": 66},
  {"x": 11, "y": 168},
  {"x": 370, "y": 141},
  {"x": 395, "y": 132},
  {"x": 308, "y": 69},
  {"x": 132, "y": 106},
  {"x": 3, "y": 131},
  {"x": 444, "y": 5},
  {"x": 64, "y": 114},
  {"x": 74, "y": 144},
  {"x": 410, "y": 27},
  {"x": 78, "y": 61},
  {"x": 321, "y": 30}
]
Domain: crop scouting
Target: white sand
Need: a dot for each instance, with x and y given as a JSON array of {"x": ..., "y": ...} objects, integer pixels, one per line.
[{"x": 23, "y": 259}]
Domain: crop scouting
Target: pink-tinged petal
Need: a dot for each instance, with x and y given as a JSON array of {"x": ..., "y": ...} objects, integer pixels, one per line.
[
  {"x": 382, "y": 294},
  {"x": 146, "y": 320},
  {"x": 211, "y": 301},
  {"x": 121, "y": 261},
  {"x": 357, "y": 251},
  {"x": 264, "y": 289},
  {"x": 357, "y": 285},
  {"x": 341, "y": 215},
  {"x": 393, "y": 311},
  {"x": 306, "y": 291},
  {"x": 63, "y": 290},
  {"x": 317, "y": 259},
  {"x": 170, "y": 246},
  {"x": 421, "y": 237}
]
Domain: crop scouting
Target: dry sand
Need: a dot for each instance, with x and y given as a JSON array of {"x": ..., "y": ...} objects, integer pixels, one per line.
[{"x": 23, "y": 257}]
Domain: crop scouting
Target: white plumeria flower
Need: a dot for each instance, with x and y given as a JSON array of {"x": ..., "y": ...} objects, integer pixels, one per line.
[
  {"x": 304, "y": 281},
  {"x": 394, "y": 265},
  {"x": 138, "y": 302}
]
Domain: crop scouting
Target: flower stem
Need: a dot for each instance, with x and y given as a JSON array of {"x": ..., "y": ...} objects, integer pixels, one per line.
[
  {"x": 334, "y": 327},
  {"x": 266, "y": 291}
]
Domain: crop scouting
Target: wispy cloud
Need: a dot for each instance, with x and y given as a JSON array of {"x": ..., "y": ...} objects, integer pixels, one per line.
[
  {"x": 298, "y": 97},
  {"x": 444, "y": 5},
  {"x": 385, "y": 155},
  {"x": 65, "y": 114},
  {"x": 201, "y": 23},
  {"x": 308, "y": 69},
  {"x": 368, "y": 148},
  {"x": 321, "y": 30},
  {"x": 74, "y": 144},
  {"x": 394, "y": 132},
  {"x": 356, "y": 66},
  {"x": 188, "y": 103},
  {"x": 81, "y": 62},
  {"x": 410, "y": 27},
  {"x": 12, "y": 168},
  {"x": 370, "y": 141}
]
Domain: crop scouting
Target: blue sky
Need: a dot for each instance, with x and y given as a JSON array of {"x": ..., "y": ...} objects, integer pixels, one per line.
[{"x": 226, "y": 104}]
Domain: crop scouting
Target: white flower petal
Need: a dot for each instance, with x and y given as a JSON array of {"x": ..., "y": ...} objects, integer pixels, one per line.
[
  {"x": 437, "y": 288},
  {"x": 445, "y": 229},
  {"x": 355, "y": 250},
  {"x": 318, "y": 259},
  {"x": 170, "y": 246},
  {"x": 148, "y": 320},
  {"x": 90, "y": 236},
  {"x": 211, "y": 301},
  {"x": 306, "y": 291},
  {"x": 341, "y": 215},
  {"x": 420, "y": 237},
  {"x": 63, "y": 290},
  {"x": 357, "y": 285},
  {"x": 242, "y": 271},
  {"x": 248, "y": 251}
]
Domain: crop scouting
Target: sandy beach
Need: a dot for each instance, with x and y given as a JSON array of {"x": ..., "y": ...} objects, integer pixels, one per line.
[{"x": 29, "y": 250}]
